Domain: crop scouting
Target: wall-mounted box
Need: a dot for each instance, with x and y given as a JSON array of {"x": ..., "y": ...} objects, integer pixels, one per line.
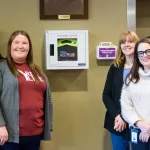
[
  {"x": 66, "y": 49},
  {"x": 106, "y": 50}
]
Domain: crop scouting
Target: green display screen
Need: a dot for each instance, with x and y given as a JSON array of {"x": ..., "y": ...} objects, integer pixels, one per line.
[{"x": 67, "y": 49}]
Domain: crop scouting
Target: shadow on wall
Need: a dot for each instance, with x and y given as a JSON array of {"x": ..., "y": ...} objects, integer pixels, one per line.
[
  {"x": 65, "y": 124},
  {"x": 106, "y": 141},
  {"x": 3, "y": 44},
  {"x": 65, "y": 80},
  {"x": 104, "y": 62}
]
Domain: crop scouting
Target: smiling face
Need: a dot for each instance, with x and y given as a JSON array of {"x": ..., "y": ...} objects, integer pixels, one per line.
[
  {"x": 144, "y": 60},
  {"x": 20, "y": 48},
  {"x": 127, "y": 46}
]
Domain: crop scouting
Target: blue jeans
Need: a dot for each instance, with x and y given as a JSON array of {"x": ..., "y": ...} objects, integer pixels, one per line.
[
  {"x": 118, "y": 143},
  {"x": 25, "y": 143}
]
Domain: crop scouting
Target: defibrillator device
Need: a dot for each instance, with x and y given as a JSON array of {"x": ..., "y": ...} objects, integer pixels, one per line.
[{"x": 66, "y": 49}]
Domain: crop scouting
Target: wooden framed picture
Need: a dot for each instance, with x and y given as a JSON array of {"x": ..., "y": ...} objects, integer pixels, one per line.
[{"x": 63, "y": 9}]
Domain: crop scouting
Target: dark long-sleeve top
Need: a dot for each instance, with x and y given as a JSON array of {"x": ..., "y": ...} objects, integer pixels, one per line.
[{"x": 111, "y": 97}]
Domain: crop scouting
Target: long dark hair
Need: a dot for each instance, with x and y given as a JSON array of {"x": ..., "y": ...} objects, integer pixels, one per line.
[
  {"x": 32, "y": 66},
  {"x": 133, "y": 76}
]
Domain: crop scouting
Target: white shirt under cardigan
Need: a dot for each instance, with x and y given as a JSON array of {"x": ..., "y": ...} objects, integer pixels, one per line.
[{"x": 135, "y": 99}]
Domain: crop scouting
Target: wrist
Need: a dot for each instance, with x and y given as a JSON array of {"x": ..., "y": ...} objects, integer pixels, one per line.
[
  {"x": 122, "y": 117},
  {"x": 138, "y": 123}
]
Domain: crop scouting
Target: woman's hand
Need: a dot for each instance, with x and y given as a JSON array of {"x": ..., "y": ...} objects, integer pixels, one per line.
[
  {"x": 143, "y": 126},
  {"x": 3, "y": 135},
  {"x": 120, "y": 125},
  {"x": 144, "y": 137}
]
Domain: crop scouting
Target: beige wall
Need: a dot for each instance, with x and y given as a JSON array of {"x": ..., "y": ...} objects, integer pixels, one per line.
[
  {"x": 143, "y": 18},
  {"x": 78, "y": 108}
]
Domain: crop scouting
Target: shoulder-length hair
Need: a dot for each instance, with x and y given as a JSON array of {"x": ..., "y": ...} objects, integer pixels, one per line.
[
  {"x": 133, "y": 76},
  {"x": 120, "y": 57},
  {"x": 34, "y": 69}
]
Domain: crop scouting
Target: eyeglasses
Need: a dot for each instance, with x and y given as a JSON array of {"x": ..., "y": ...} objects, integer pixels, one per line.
[{"x": 141, "y": 53}]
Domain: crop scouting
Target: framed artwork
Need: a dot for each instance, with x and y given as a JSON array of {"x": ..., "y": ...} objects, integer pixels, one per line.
[{"x": 63, "y": 9}]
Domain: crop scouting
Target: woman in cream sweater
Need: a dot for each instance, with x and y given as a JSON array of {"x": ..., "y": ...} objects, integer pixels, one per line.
[{"x": 135, "y": 97}]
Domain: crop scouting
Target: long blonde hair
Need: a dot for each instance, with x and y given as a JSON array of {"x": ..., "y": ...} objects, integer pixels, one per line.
[
  {"x": 120, "y": 57},
  {"x": 34, "y": 69}
]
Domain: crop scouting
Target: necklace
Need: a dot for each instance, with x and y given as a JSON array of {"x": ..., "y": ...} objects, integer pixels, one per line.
[{"x": 128, "y": 65}]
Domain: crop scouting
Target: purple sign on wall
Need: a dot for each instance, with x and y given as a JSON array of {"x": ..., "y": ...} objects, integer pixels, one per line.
[{"x": 107, "y": 52}]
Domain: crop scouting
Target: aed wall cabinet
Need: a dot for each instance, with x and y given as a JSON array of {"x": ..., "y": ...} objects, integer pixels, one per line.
[{"x": 66, "y": 49}]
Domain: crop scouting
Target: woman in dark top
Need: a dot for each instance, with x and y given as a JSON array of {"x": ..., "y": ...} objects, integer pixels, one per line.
[{"x": 117, "y": 73}]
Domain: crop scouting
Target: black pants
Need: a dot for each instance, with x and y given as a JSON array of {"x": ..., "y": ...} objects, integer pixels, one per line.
[
  {"x": 25, "y": 143},
  {"x": 141, "y": 146}
]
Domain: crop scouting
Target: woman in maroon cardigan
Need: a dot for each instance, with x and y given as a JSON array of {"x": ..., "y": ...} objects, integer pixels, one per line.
[{"x": 26, "y": 108}]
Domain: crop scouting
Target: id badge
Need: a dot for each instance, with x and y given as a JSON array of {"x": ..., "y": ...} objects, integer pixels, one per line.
[{"x": 134, "y": 135}]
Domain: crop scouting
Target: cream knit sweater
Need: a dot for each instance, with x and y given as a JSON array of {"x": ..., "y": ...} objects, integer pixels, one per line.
[{"x": 135, "y": 99}]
